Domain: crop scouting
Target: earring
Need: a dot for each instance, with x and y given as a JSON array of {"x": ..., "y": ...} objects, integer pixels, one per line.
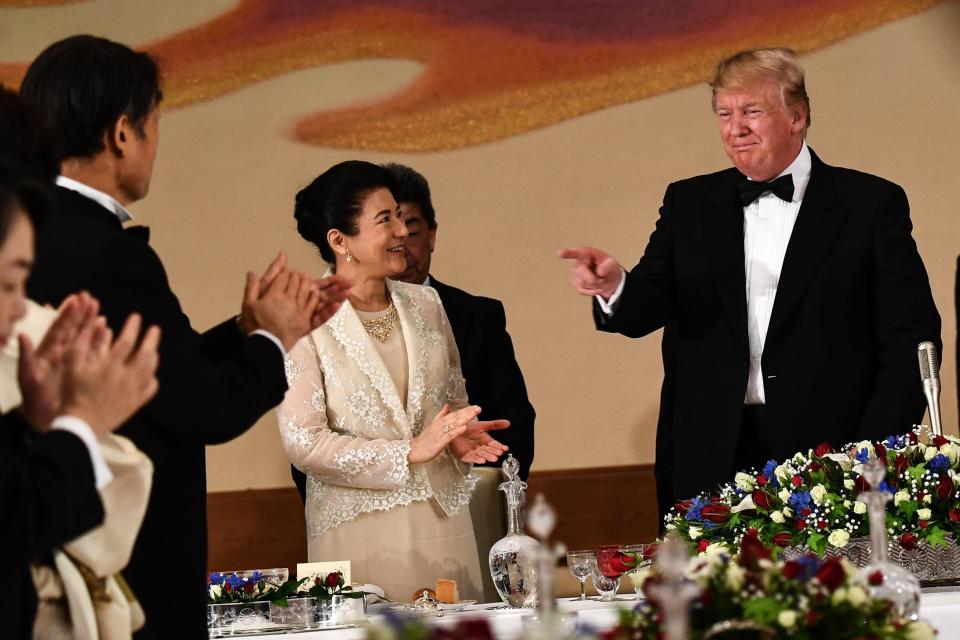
[{"x": 349, "y": 257}]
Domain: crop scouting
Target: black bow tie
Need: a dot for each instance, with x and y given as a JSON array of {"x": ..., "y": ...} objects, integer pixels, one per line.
[{"x": 750, "y": 190}]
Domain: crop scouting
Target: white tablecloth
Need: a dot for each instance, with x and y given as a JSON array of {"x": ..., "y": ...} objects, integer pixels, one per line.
[{"x": 940, "y": 608}]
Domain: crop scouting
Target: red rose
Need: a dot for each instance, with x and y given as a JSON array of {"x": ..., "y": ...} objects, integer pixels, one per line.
[
  {"x": 717, "y": 513},
  {"x": 752, "y": 532},
  {"x": 761, "y": 499},
  {"x": 227, "y": 587},
  {"x": 881, "y": 452},
  {"x": 913, "y": 437},
  {"x": 815, "y": 466},
  {"x": 650, "y": 550},
  {"x": 762, "y": 480},
  {"x": 248, "y": 586},
  {"x": 812, "y": 617},
  {"x": 701, "y": 546},
  {"x": 908, "y": 541},
  {"x": 801, "y": 524},
  {"x": 782, "y": 539},
  {"x": 716, "y": 499},
  {"x": 805, "y": 512},
  {"x": 822, "y": 524},
  {"x": 921, "y": 494},
  {"x": 901, "y": 464},
  {"x": 939, "y": 441},
  {"x": 954, "y": 515},
  {"x": 683, "y": 506},
  {"x": 791, "y": 569},
  {"x": 752, "y": 551},
  {"x": 944, "y": 487},
  {"x": 831, "y": 574},
  {"x": 876, "y": 578},
  {"x": 922, "y": 524},
  {"x": 333, "y": 579},
  {"x": 823, "y": 449},
  {"x": 796, "y": 480},
  {"x": 861, "y": 485}
]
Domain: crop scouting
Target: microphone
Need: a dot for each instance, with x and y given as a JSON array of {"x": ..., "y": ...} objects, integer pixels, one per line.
[{"x": 930, "y": 376}]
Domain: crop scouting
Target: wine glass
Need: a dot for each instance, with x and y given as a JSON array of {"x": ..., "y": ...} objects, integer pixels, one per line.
[
  {"x": 636, "y": 565},
  {"x": 610, "y": 566},
  {"x": 581, "y": 564}
]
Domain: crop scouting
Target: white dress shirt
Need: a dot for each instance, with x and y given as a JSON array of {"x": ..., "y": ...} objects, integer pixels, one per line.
[{"x": 767, "y": 224}]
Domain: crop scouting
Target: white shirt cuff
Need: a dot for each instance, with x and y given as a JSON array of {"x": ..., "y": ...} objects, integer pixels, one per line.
[
  {"x": 272, "y": 338},
  {"x": 79, "y": 428},
  {"x": 609, "y": 306}
]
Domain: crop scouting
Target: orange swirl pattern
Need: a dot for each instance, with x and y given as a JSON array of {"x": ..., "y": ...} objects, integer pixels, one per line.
[{"x": 491, "y": 69}]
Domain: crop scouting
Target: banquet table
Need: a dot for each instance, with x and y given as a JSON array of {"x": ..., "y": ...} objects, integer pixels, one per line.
[{"x": 939, "y": 606}]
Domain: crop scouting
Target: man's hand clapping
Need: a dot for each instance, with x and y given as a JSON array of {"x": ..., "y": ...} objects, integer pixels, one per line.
[{"x": 593, "y": 272}]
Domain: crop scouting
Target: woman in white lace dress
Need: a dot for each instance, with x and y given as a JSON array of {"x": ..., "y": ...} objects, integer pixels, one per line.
[{"x": 377, "y": 414}]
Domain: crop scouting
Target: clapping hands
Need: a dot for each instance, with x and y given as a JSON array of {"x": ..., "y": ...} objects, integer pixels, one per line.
[{"x": 466, "y": 437}]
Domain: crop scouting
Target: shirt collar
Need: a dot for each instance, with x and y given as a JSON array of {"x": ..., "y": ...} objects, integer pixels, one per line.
[
  {"x": 427, "y": 282},
  {"x": 800, "y": 170},
  {"x": 106, "y": 201}
]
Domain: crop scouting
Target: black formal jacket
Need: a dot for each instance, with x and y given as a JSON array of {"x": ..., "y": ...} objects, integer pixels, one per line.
[
  {"x": 48, "y": 497},
  {"x": 840, "y": 357},
  {"x": 494, "y": 380},
  {"x": 213, "y": 387}
]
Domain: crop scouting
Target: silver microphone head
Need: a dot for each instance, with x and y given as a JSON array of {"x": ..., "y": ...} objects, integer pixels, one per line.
[{"x": 929, "y": 367}]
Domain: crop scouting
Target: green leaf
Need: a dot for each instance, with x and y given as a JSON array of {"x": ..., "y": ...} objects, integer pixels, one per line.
[
  {"x": 936, "y": 537},
  {"x": 817, "y": 543},
  {"x": 908, "y": 508},
  {"x": 763, "y": 610},
  {"x": 916, "y": 472}
]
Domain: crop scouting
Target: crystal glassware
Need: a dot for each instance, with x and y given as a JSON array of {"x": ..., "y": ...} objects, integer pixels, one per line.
[
  {"x": 581, "y": 564},
  {"x": 636, "y": 565},
  {"x": 610, "y": 564},
  {"x": 513, "y": 559},
  {"x": 606, "y": 587}
]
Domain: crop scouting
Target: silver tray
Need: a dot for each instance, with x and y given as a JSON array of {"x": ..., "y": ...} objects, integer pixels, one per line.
[{"x": 931, "y": 565}]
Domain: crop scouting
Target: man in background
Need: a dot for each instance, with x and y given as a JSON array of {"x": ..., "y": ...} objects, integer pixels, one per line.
[{"x": 100, "y": 100}]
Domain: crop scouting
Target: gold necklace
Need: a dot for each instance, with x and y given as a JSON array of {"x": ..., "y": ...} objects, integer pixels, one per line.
[{"x": 381, "y": 327}]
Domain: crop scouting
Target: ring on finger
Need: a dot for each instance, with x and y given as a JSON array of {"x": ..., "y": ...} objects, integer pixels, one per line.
[{"x": 447, "y": 428}]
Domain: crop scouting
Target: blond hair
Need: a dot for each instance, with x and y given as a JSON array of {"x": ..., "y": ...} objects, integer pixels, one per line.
[{"x": 756, "y": 65}]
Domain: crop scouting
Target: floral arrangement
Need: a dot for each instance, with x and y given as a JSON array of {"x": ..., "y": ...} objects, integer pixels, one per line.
[
  {"x": 811, "y": 499},
  {"x": 225, "y": 588},
  {"x": 798, "y": 599}
]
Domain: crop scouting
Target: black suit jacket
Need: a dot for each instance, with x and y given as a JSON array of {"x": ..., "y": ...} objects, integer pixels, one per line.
[
  {"x": 839, "y": 361},
  {"x": 47, "y": 497},
  {"x": 494, "y": 380},
  {"x": 213, "y": 387}
]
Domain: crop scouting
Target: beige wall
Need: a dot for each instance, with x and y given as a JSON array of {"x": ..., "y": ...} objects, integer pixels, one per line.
[{"x": 883, "y": 102}]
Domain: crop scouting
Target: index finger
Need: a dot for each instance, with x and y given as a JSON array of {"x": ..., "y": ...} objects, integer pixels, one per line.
[{"x": 583, "y": 254}]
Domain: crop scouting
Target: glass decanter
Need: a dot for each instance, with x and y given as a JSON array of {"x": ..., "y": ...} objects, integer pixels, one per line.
[
  {"x": 514, "y": 558},
  {"x": 882, "y": 578}
]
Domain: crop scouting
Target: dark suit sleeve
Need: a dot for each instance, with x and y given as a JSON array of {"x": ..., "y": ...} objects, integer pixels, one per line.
[
  {"x": 217, "y": 342},
  {"x": 48, "y": 494},
  {"x": 647, "y": 301},
  {"x": 224, "y": 383},
  {"x": 904, "y": 316},
  {"x": 506, "y": 396}
]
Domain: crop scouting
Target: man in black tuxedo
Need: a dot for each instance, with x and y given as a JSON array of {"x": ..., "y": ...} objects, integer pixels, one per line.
[
  {"x": 493, "y": 377},
  {"x": 822, "y": 348},
  {"x": 100, "y": 100}
]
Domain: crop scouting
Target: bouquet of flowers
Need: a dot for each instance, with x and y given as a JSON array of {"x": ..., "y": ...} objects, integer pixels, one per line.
[
  {"x": 798, "y": 599},
  {"x": 223, "y": 588},
  {"x": 811, "y": 499},
  {"x": 332, "y": 584}
]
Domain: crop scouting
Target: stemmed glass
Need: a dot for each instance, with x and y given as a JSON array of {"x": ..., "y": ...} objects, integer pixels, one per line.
[
  {"x": 634, "y": 556},
  {"x": 581, "y": 564},
  {"x": 610, "y": 567}
]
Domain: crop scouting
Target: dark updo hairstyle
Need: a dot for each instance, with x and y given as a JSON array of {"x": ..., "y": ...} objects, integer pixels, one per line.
[
  {"x": 20, "y": 190},
  {"x": 334, "y": 200}
]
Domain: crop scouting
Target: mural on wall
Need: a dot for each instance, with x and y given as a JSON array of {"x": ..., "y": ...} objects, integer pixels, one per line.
[{"x": 491, "y": 68}]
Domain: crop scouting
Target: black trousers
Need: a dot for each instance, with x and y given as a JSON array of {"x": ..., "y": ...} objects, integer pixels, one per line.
[{"x": 753, "y": 444}]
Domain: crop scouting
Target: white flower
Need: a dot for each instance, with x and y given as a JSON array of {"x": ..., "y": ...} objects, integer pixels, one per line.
[
  {"x": 782, "y": 473},
  {"x": 842, "y": 459},
  {"x": 930, "y": 453},
  {"x": 216, "y": 591},
  {"x": 955, "y": 477},
  {"x": 777, "y": 517},
  {"x": 787, "y": 619},
  {"x": 856, "y": 595},
  {"x": 927, "y": 499},
  {"x": 745, "y": 505},
  {"x": 838, "y": 538},
  {"x": 859, "y": 507},
  {"x": 694, "y": 532},
  {"x": 670, "y": 527},
  {"x": 735, "y": 576},
  {"x": 784, "y": 495},
  {"x": 745, "y": 481},
  {"x": 848, "y": 483},
  {"x": 839, "y": 595},
  {"x": 924, "y": 514},
  {"x": 817, "y": 493},
  {"x": 787, "y": 511},
  {"x": 952, "y": 452},
  {"x": 900, "y": 497},
  {"x": 920, "y": 630},
  {"x": 846, "y": 504}
]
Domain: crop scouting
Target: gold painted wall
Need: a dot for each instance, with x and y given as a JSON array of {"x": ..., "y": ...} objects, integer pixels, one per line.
[{"x": 221, "y": 203}]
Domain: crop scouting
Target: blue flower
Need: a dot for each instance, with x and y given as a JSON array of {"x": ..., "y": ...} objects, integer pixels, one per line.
[
  {"x": 896, "y": 442},
  {"x": 863, "y": 455},
  {"x": 770, "y": 473},
  {"x": 799, "y": 500},
  {"x": 257, "y": 576},
  {"x": 216, "y": 578},
  {"x": 885, "y": 487},
  {"x": 693, "y": 513},
  {"x": 707, "y": 524},
  {"x": 234, "y": 580},
  {"x": 811, "y": 564},
  {"x": 939, "y": 463}
]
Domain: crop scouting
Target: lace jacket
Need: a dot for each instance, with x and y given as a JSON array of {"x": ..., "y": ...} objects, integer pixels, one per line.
[{"x": 343, "y": 423}]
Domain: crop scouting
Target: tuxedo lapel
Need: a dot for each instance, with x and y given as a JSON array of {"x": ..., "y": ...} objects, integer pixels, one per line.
[
  {"x": 818, "y": 222},
  {"x": 723, "y": 236}
]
